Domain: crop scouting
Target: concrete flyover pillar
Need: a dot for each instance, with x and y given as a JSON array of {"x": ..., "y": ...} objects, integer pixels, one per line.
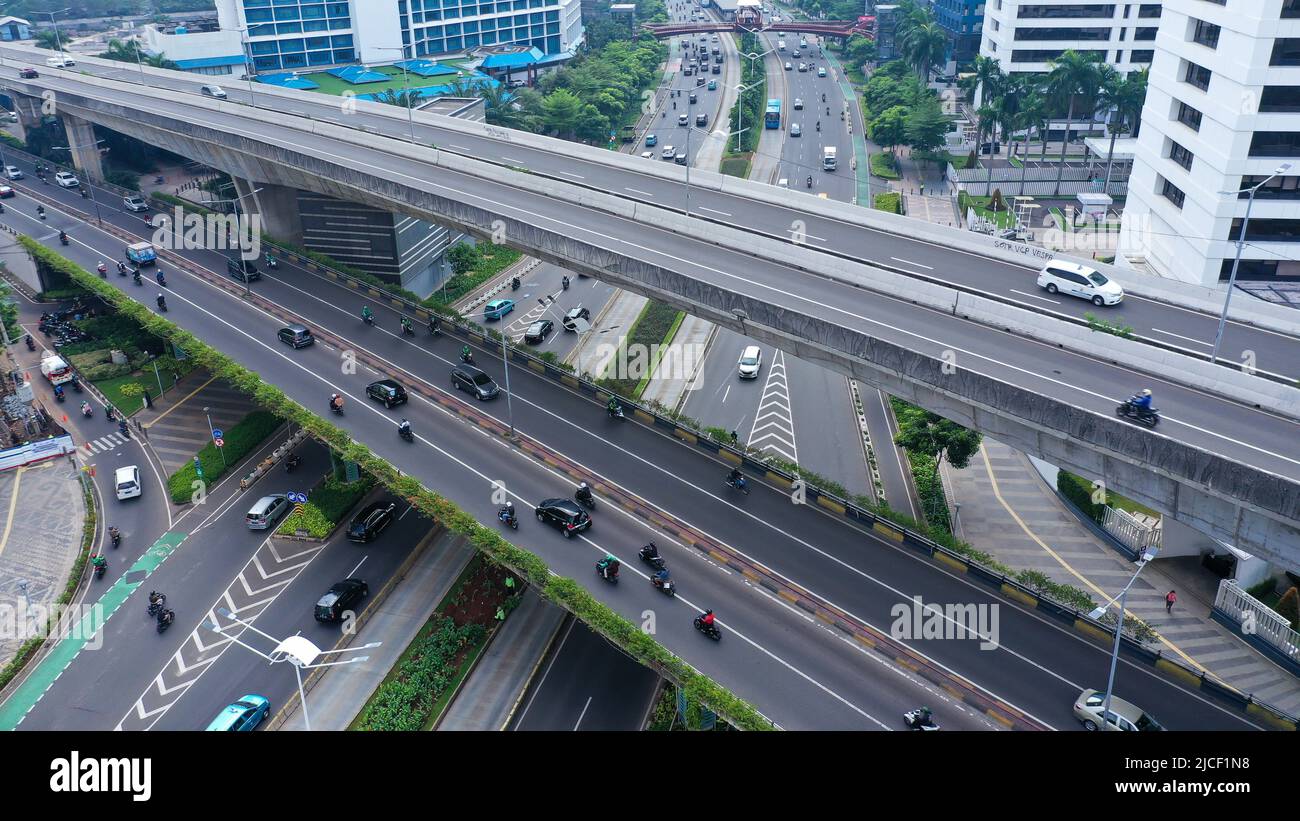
[
  {"x": 85, "y": 151},
  {"x": 276, "y": 207},
  {"x": 29, "y": 114}
]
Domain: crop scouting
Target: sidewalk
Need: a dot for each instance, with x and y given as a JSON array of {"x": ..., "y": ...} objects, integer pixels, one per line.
[
  {"x": 488, "y": 697},
  {"x": 608, "y": 328},
  {"x": 1008, "y": 510},
  {"x": 926, "y": 191},
  {"x": 337, "y": 696},
  {"x": 669, "y": 389}
]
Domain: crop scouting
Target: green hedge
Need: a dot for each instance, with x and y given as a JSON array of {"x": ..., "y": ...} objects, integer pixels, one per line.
[
  {"x": 1079, "y": 491},
  {"x": 891, "y": 202},
  {"x": 561, "y": 591},
  {"x": 484, "y": 269},
  {"x": 404, "y": 701},
  {"x": 883, "y": 166},
  {"x": 240, "y": 438},
  {"x": 652, "y": 326},
  {"x": 326, "y": 506}
]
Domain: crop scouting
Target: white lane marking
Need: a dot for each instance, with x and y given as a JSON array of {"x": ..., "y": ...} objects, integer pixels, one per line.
[
  {"x": 909, "y": 262},
  {"x": 773, "y": 427},
  {"x": 638, "y": 191},
  {"x": 727, "y": 392},
  {"x": 575, "y": 176},
  {"x": 513, "y": 160},
  {"x": 723, "y": 213},
  {"x": 1035, "y": 296},
  {"x": 572, "y": 230},
  {"x": 459, "y": 147},
  {"x": 1188, "y": 338},
  {"x": 578, "y": 724}
]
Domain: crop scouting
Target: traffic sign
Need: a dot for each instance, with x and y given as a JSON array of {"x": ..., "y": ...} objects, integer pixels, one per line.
[
  {"x": 217, "y": 433},
  {"x": 297, "y": 498},
  {"x": 198, "y": 467},
  {"x": 219, "y": 442}
]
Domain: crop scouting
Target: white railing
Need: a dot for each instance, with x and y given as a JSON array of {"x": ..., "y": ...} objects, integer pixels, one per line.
[
  {"x": 1257, "y": 619},
  {"x": 1128, "y": 530}
]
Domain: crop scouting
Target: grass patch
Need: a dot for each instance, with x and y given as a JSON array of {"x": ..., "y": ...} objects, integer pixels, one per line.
[
  {"x": 327, "y": 504},
  {"x": 657, "y": 319},
  {"x": 891, "y": 202},
  {"x": 1003, "y": 219},
  {"x": 492, "y": 260},
  {"x": 884, "y": 166},
  {"x": 123, "y": 400},
  {"x": 242, "y": 437},
  {"x": 736, "y": 165},
  {"x": 1080, "y": 492},
  {"x": 657, "y": 353},
  {"x": 1016, "y": 163}
]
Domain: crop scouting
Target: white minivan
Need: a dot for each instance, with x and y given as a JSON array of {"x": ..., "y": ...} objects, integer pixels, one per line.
[
  {"x": 127, "y": 482},
  {"x": 1057, "y": 275},
  {"x": 751, "y": 361},
  {"x": 61, "y": 61}
]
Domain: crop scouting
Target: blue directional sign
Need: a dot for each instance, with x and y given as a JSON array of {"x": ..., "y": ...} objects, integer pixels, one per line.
[
  {"x": 216, "y": 433},
  {"x": 297, "y": 498}
]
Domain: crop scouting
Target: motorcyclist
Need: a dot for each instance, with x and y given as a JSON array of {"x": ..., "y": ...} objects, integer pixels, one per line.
[
  {"x": 156, "y": 598},
  {"x": 406, "y": 326},
  {"x": 63, "y": 237},
  {"x": 1142, "y": 401},
  {"x": 565, "y": 282},
  {"x": 507, "y": 512},
  {"x": 86, "y": 409},
  {"x": 115, "y": 535},
  {"x": 166, "y": 616},
  {"x": 650, "y": 551},
  {"x": 613, "y": 406},
  {"x": 99, "y": 561},
  {"x": 583, "y": 492},
  {"x": 819, "y": 125},
  {"x": 810, "y": 181},
  {"x": 404, "y": 428},
  {"x": 135, "y": 275},
  {"x": 162, "y": 301},
  {"x": 40, "y": 211},
  {"x": 121, "y": 267},
  {"x": 162, "y": 280},
  {"x": 707, "y": 619},
  {"x": 336, "y": 402},
  {"x": 465, "y": 354},
  {"x": 121, "y": 427},
  {"x": 735, "y": 478},
  {"x": 366, "y": 314},
  {"x": 608, "y": 566},
  {"x": 58, "y": 391},
  {"x": 924, "y": 717},
  {"x": 661, "y": 577}
]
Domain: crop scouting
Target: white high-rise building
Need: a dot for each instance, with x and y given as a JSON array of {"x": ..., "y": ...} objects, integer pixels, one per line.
[
  {"x": 293, "y": 35},
  {"x": 1025, "y": 35},
  {"x": 1222, "y": 113}
]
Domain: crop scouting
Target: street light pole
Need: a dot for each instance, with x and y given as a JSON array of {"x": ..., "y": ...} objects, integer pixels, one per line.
[
  {"x": 1241, "y": 241},
  {"x": 239, "y": 226},
  {"x": 406, "y": 85},
  {"x": 58, "y": 41},
  {"x": 1148, "y": 554}
]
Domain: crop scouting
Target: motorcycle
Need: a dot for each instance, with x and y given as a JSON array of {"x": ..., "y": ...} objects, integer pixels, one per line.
[
  {"x": 467, "y": 357},
  {"x": 158, "y": 180},
  {"x": 86, "y": 410},
  {"x": 588, "y": 501},
  {"x": 810, "y": 182},
  {"x": 369, "y": 319},
  {"x": 565, "y": 283},
  {"x": 739, "y": 484},
  {"x": 31, "y": 346},
  {"x": 116, "y": 536},
  {"x": 40, "y": 212},
  {"x": 63, "y": 238},
  {"x": 85, "y": 194},
  {"x": 607, "y": 570},
  {"x": 58, "y": 394},
  {"x": 76, "y": 385},
  {"x": 710, "y": 630},
  {"x": 666, "y": 586},
  {"x": 508, "y": 518},
  {"x": 408, "y": 328},
  {"x": 912, "y": 718},
  {"x": 165, "y": 619},
  {"x": 1149, "y": 417},
  {"x": 650, "y": 555},
  {"x": 515, "y": 283},
  {"x": 162, "y": 280},
  {"x": 101, "y": 564},
  {"x": 123, "y": 429},
  {"x": 271, "y": 262},
  {"x": 121, "y": 269},
  {"x": 616, "y": 413},
  {"x": 135, "y": 276},
  {"x": 157, "y": 602},
  {"x": 406, "y": 434},
  {"x": 819, "y": 125},
  {"x": 433, "y": 327},
  {"x": 162, "y": 304},
  {"x": 338, "y": 409},
  {"x": 291, "y": 464}
]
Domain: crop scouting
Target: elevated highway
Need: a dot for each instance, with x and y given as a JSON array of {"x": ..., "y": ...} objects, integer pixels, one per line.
[{"x": 1225, "y": 459}]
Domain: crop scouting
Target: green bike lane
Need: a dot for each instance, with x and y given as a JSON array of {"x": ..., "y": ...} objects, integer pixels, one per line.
[{"x": 86, "y": 632}]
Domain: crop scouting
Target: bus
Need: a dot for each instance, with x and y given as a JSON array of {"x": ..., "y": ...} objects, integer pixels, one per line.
[{"x": 772, "y": 117}]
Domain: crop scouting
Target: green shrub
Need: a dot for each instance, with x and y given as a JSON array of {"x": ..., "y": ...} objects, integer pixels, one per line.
[
  {"x": 487, "y": 261},
  {"x": 405, "y": 701},
  {"x": 1079, "y": 491},
  {"x": 1263, "y": 590},
  {"x": 883, "y": 166},
  {"x": 307, "y": 518},
  {"x": 240, "y": 438},
  {"x": 326, "y": 506},
  {"x": 891, "y": 202}
]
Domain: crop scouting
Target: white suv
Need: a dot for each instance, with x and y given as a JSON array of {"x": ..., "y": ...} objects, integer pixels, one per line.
[
  {"x": 66, "y": 180},
  {"x": 61, "y": 61},
  {"x": 127, "y": 482},
  {"x": 1081, "y": 281},
  {"x": 751, "y": 361}
]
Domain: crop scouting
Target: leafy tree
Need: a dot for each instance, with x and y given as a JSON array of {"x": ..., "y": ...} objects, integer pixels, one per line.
[
  {"x": 562, "y": 109},
  {"x": 463, "y": 257},
  {"x": 1073, "y": 76},
  {"x": 921, "y": 431},
  {"x": 926, "y": 125},
  {"x": 400, "y": 97},
  {"x": 883, "y": 93},
  {"x": 890, "y": 128},
  {"x": 859, "y": 50}
]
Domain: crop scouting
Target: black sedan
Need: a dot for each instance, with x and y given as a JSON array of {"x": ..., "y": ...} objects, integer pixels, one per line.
[
  {"x": 341, "y": 597},
  {"x": 564, "y": 515},
  {"x": 538, "y": 331},
  {"x": 387, "y": 391},
  {"x": 371, "y": 521}
]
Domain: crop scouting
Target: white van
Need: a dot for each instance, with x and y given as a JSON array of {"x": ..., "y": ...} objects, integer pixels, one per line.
[
  {"x": 1059, "y": 276},
  {"x": 61, "y": 61},
  {"x": 751, "y": 361},
  {"x": 127, "y": 482}
]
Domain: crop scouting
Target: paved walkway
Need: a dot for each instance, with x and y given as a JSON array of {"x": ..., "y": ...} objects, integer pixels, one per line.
[
  {"x": 488, "y": 698},
  {"x": 176, "y": 427},
  {"x": 337, "y": 696},
  {"x": 1009, "y": 511},
  {"x": 592, "y": 354},
  {"x": 675, "y": 375}
]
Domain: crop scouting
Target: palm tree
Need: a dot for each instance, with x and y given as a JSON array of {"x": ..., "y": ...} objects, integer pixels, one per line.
[
  {"x": 985, "y": 82},
  {"x": 923, "y": 45},
  {"x": 1032, "y": 110},
  {"x": 1122, "y": 98},
  {"x": 400, "y": 97},
  {"x": 501, "y": 109},
  {"x": 1073, "y": 75}
]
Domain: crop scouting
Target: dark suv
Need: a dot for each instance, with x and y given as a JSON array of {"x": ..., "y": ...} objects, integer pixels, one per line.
[
  {"x": 371, "y": 521},
  {"x": 474, "y": 382},
  {"x": 296, "y": 336},
  {"x": 341, "y": 597},
  {"x": 387, "y": 391},
  {"x": 564, "y": 515},
  {"x": 570, "y": 321}
]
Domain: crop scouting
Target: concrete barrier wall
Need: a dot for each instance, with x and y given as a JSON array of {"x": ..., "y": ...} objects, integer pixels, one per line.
[{"x": 1209, "y": 300}]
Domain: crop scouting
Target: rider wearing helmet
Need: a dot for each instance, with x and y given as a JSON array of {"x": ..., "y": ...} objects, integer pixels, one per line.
[
  {"x": 1142, "y": 401},
  {"x": 583, "y": 491},
  {"x": 336, "y": 401},
  {"x": 707, "y": 618},
  {"x": 404, "y": 428}
]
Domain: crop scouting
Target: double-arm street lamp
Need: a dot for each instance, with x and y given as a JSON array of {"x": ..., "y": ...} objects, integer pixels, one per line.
[
  {"x": 239, "y": 226},
  {"x": 1241, "y": 241},
  {"x": 89, "y": 184},
  {"x": 406, "y": 85},
  {"x": 1148, "y": 554},
  {"x": 249, "y": 69}
]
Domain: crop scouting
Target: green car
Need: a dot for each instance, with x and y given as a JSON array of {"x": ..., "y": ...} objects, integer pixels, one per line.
[{"x": 713, "y": 85}]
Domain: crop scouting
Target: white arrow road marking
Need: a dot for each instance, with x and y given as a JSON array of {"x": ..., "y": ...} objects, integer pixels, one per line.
[{"x": 773, "y": 427}]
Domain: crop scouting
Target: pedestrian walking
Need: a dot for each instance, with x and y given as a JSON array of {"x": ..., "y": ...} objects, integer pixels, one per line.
[{"x": 1170, "y": 598}]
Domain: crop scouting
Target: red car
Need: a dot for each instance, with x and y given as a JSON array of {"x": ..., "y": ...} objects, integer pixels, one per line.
[
  {"x": 6, "y": 192},
  {"x": 28, "y": 73}
]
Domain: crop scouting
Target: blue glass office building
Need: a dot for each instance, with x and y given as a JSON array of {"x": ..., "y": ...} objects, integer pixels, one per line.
[{"x": 963, "y": 20}]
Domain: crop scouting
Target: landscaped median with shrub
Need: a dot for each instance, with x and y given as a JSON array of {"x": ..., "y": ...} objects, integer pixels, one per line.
[
  {"x": 642, "y": 347},
  {"x": 239, "y": 439},
  {"x": 326, "y": 506},
  {"x": 564, "y": 592}
]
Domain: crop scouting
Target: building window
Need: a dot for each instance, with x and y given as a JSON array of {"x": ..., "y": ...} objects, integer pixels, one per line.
[
  {"x": 1180, "y": 155},
  {"x": 997, "y": 26},
  {"x": 1145, "y": 33},
  {"x": 1275, "y": 144},
  {"x": 1249, "y": 268},
  {"x": 1187, "y": 115},
  {"x": 1267, "y": 230},
  {"x": 1149, "y": 10},
  {"x": 1072, "y": 12},
  {"x": 1172, "y": 193},
  {"x": 1207, "y": 34},
  {"x": 1280, "y": 99},
  {"x": 1142, "y": 55},
  {"x": 1025, "y": 33},
  {"x": 1278, "y": 188},
  {"x": 1119, "y": 56},
  {"x": 1286, "y": 52},
  {"x": 1198, "y": 76},
  {"x": 1290, "y": 9},
  {"x": 1043, "y": 55}
]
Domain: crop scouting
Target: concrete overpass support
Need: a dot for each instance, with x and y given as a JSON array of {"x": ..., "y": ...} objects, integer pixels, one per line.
[
  {"x": 28, "y": 110},
  {"x": 85, "y": 151},
  {"x": 276, "y": 207}
]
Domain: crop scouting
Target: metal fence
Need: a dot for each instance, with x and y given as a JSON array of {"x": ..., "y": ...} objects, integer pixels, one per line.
[
  {"x": 1126, "y": 528},
  {"x": 1257, "y": 622}
]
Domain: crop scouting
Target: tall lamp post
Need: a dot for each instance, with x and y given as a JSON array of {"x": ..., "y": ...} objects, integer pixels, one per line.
[
  {"x": 239, "y": 226},
  {"x": 1148, "y": 554},
  {"x": 1241, "y": 241},
  {"x": 247, "y": 50},
  {"x": 55, "y": 23},
  {"x": 406, "y": 86}
]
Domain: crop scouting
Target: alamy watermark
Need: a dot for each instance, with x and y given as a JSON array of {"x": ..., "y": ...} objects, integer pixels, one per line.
[
  {"x": 208, "y": 232},
  {"x": 919, "y": 620},
  {"x": 80, "y": 622}
]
